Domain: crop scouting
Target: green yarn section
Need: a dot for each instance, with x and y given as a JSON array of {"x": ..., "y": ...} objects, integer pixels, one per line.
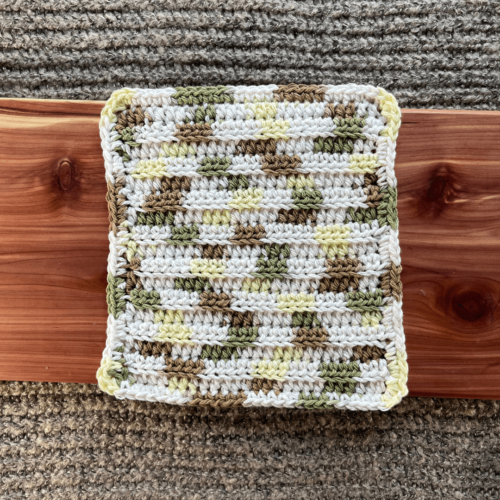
[
  {"x": 272, "y": 261},
  {"x": 361, "y": 215},
  {"x": 307, "y": 198},
  {"x": 122, "y": 153},
  {"x": 313, "y": 402},
  {"x": 155, "y": 218},
  {"x": 215, "y": 167},
  {"x": 305, "y": 320},
  {"x": 141, "y": 299},
  {"x": 385, "y": 213},
  {"x": 241, "y": 337},
  {"x": 184, "y": 235},
  {"x": 114, "y": 296},
  {"x": 201, "y": 95},
  {"x": 238, "y": 182},
  {"x": 127, "y": 136},
  {"x": 202, "y": 113},
  {"x": 348, "y": 130},
  {"x": 122, "y": 374},
  {"x": 365, "y": 301},
  {"x": 199, "y": 284},
  {"x": 217, "y": 353},
  {"x": 339, "y": 377}
]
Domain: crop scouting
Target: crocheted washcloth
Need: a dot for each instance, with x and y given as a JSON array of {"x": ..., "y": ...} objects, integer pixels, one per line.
[{"x": 254, "y": 255}]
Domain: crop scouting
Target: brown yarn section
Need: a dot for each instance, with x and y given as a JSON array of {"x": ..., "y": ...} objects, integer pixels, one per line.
[
  {"x": 175, "y": 183},
  {"x": 243, "y": 319},
  {"x": 155, "y": 349},
  {"x": 248, "y": 235},
  {"x": 390, "y": 282},
  {"x": 343, "y": 274},
  {"x": 170, "y": 197},
  {"x": 133, "y": 281},
  {"x": 281, "y": 164},
  {"x": 131, "y": 118},
  {"x": 300, "y": 93},
  {"x": 260, "y": 147},
  {"x": 213, "y": 301},
  {"x": 372, "y": 191},
  {"x": 183, "y": 369},
  {"x": 116, "y": 206},
  {"x": 265, "y": 385},
  {"x": 272, "y": 163},
  {"x": 367, "y": 353},
  {"x": 200, "y": 132},
  {"x": 339, "y": 111},
  {"x": 212, "y": 251},
  {"x": 218, "y": 400},
  {"x": 297, "y": 216},
  {"x": 174, "y": 367},
  {"x": 310, "y": 337},
  {"x": 163, "y": 202}
]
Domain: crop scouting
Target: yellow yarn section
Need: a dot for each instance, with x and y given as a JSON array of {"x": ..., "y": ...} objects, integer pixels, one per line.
[
  {"x": 288, "y": 354},
  {"x": 397, "y": 387},
  {"x": 333, "y": 240},
  {"x": 299, "y": 182},
  {"x": 277, "y": 368},
  {"x": 273, "y": 129},
  {"x": 390, "y": 110},
  {"x": 256, "y": 285},
  {"x": 106, "y": 383},
  {"x": 372, "y": 319},
  {"x": 118, "y": 101},
  {"x": 177, "y": 150},
  {"x": 182, "y": 384},
  {"x": 292, "y": 302},
  {"x": 247, "y": 198},
  {"x": 262, "y": 110},
  {"x": 172, "y": 328},
  {"x": 149, "y": 169},
  {"x": 133, "y": 249},
  {"x": 208, "y": 268},
  {"x": 363, "y": 164},
  {"x": 217, "y": 217}
]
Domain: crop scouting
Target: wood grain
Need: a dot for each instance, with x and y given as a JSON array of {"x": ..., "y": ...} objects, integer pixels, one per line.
[
  {"x": 448, "y": 169},
  {"x": 53, "y": 249}
]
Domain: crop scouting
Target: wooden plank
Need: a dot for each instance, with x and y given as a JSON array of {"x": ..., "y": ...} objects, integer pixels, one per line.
[
  {"x": 54, "y": 241},
  {"x": 53, "y": 250},
  {"x": 448, "y": 169}
]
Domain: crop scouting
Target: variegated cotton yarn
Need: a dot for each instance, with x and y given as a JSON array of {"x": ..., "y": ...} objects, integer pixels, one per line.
[{"x": 254, "y": 256}]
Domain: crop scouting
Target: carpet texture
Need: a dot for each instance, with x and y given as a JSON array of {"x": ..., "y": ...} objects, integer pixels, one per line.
[
  {"x": 72, "y": 441},
  {"x": 427, "y": 53}
]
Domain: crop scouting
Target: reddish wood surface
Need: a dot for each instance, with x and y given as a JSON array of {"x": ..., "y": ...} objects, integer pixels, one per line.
[{"x": 53, "y": 248}]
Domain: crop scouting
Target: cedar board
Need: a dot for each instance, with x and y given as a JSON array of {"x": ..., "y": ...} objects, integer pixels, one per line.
[{"x": 54, "y": 245}]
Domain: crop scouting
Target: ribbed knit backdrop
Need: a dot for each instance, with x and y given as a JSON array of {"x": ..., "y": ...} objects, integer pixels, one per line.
[{"x": 72, "y": 441}]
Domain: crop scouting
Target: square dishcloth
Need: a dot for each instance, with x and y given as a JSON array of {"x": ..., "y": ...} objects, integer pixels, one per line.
[{"x": 254, "y": 254}]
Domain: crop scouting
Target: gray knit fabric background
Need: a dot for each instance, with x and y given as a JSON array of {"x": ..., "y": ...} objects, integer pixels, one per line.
[{"x": 61, "y": 441}]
